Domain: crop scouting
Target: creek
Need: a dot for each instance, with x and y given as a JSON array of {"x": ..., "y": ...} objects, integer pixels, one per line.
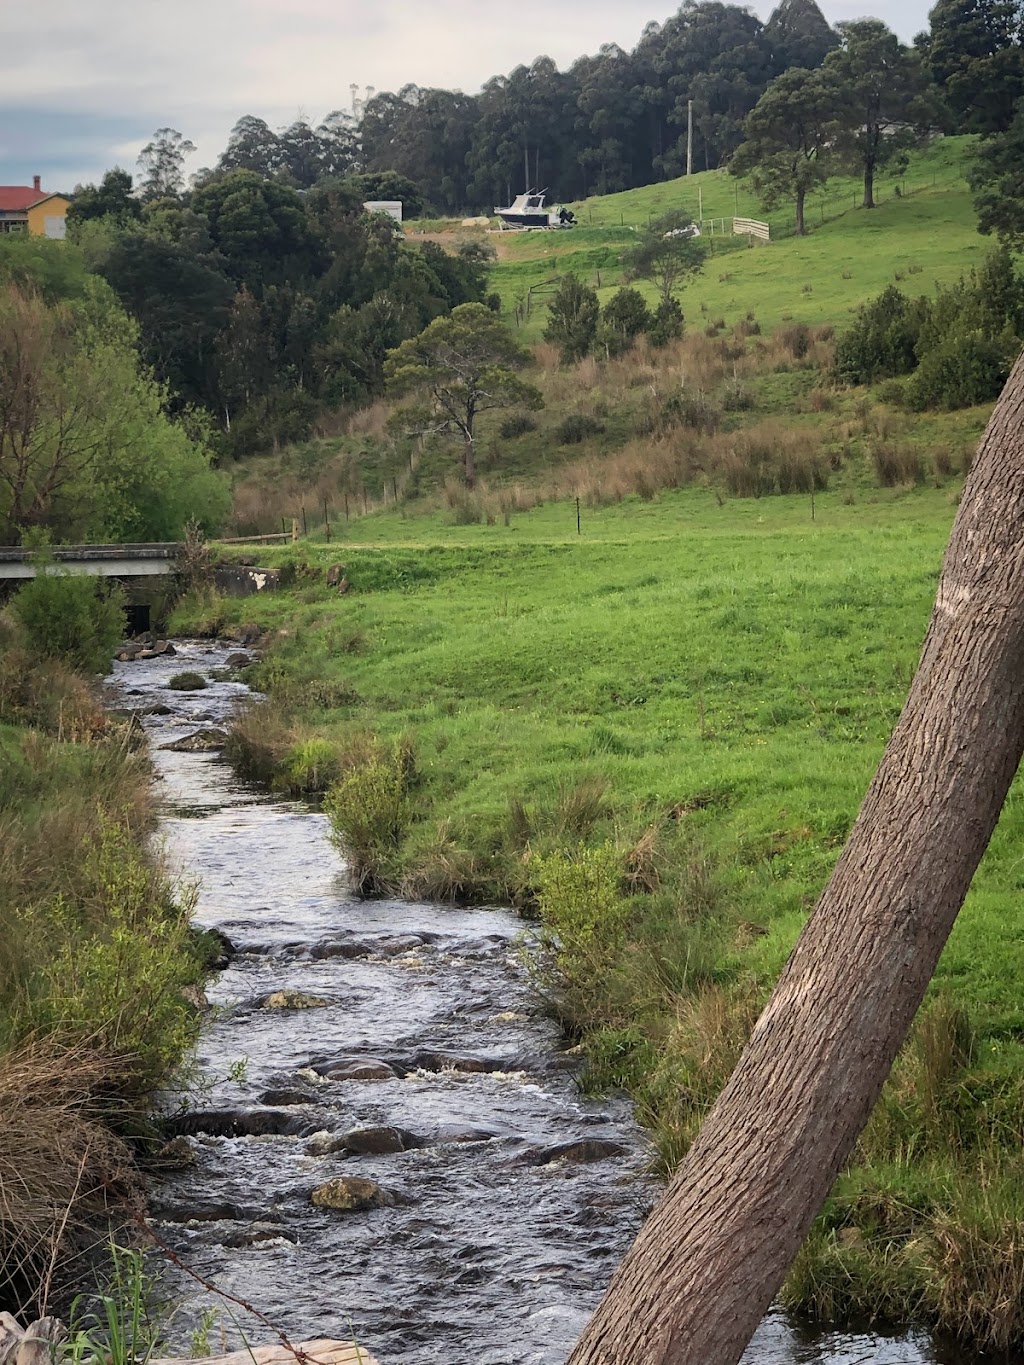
[{"x": 505, "y": 1197}]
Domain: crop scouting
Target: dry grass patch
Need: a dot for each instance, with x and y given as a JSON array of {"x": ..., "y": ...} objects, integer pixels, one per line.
[{"x": 63, "y": 1174}]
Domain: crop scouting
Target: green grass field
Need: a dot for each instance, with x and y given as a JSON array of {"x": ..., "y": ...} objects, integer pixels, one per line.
[
  {"x": 925, "y": 235},
  {"x": 655, "y": 730},
  {"x": 704, "y": 690},
  {"x": 703, "y": 685}
]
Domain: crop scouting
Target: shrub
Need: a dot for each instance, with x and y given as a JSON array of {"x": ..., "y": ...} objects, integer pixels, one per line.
[
  {"x": 897, "y": 464},
  {"x": 883, "y": 339},
  {"x": 187, "y": 682},
  {"x": 466, "y": 507},
  {"x": 516, "y": 424},
  {"x": 72, "y": 618},
  {"x": 258, "y": 739},
  {"x": 893, "y": 392},
  {"x": 310, "y": 767},
  {"x": 624, "y": 317},
  {"x": 576, "y": 428},
  {"x": 667, "y": 324},
  {"x": 796, "y": 339},
  {"x": 768, "y": 458},
  {"x": 119, "y": 955},
  {"x": 582, "y": 910},
  {"x": 693, "y": 409},
  {"x": 369, "y": 813},
  {"x": 966, "y": 367},
  {"x": 737, "y": 397},
  {"x": 572, "y": 318}
]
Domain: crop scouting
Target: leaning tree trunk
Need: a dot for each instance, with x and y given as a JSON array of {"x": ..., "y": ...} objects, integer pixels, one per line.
[
  {"x": 707, "y": 1263},
  {"x": 801, "y": 229}
]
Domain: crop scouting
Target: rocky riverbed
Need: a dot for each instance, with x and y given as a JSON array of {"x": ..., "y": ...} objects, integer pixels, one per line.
[{"x": 385, "y": 1138}]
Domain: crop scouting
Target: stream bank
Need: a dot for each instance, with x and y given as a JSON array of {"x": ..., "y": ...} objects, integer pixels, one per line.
[{"x": 401, "y": 1044}]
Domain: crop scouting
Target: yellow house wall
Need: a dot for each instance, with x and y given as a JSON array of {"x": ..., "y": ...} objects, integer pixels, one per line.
[{"x": 56, "y": 207}]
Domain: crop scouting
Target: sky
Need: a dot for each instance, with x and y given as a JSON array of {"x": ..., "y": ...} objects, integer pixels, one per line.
[{"x": 85, "y": 83}]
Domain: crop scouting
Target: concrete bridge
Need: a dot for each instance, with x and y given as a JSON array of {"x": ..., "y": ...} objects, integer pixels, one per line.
[{"x": 101, "y": 561}]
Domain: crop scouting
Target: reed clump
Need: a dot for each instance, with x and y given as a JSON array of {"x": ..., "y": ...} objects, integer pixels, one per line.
[
  {"x": 99, "y": 967},
  {"x": 63, "y": 1173}
]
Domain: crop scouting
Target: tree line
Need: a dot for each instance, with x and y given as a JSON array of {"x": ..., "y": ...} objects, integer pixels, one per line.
[
  {"x": 610, "y": 122},
  {"x": 618, "y": 119},
  {"x": 255, "y": 303}
]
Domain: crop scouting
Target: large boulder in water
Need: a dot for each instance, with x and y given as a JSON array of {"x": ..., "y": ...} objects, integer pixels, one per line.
[
  {"x": 199, "y": 742},
  {"x": 292, "y": 1000},
  {"x": 348, "y": 1194}
]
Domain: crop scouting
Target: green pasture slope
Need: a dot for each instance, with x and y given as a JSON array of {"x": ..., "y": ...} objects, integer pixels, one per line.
[
  {"x": 744, "y": 654},
  {"x": 727, "y": 676},
  {"x": 922, "y": 236},
  {"x": 707, "y": 684}
]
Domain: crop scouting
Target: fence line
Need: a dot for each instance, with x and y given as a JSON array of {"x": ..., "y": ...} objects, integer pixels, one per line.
[{"x": 751, "y": 227}]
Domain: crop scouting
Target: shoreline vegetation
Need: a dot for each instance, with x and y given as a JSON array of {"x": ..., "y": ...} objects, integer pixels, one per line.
[
  {"x": 101, "y": 972},
  {"x": 654, "y": 737},
  {"x": 633, "y": 682}
]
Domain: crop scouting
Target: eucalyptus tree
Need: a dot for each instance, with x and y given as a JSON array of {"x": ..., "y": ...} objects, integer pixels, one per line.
[
  {"x": 466, "y": 363},
  {"x": 790, "y": 139}
]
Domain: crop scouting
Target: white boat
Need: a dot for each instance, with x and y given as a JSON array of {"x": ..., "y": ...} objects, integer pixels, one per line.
[{"x": 528, "y": 211}]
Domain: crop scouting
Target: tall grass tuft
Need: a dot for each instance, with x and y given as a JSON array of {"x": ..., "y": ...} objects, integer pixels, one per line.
[
  {"x": 370, "y": 812},
  {"x": 62, "y": 1171}
]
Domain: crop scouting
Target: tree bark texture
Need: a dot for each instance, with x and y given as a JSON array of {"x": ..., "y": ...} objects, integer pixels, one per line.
[
  {"x": 469, "y": 462},
  {"x": 869, "y": 188},
  {"x": 709, "y": 1260}
]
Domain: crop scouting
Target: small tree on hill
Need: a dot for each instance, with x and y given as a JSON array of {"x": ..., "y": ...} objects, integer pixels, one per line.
[
  {"x": 466, "y": 363},
  {"x": 789, "y": 133},
  {"x": 878, "y": 87},
  {"x": 666, "y": 324},
  {"x": 624, "y": 317},
  {"x": 667, "y": 250},
  {"x": 572, "y": 318}
]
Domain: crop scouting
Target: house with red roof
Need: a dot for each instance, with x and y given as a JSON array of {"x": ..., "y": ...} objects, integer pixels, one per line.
[{"x": 25, "y": 208}]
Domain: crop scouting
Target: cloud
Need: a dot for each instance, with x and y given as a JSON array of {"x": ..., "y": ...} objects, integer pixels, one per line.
[{"x": 85, "y": 85}]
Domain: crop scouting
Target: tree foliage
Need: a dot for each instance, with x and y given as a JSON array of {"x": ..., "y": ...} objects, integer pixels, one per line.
[
  {"x": 466, "y": 363},
  {"x": 261, "y": 304},
  {"x": 572, "y": 318},
  {"x": 789, "y": 140},
  {"x": 798, "y": 34},
  {"x": 878, "y": 85},
  {"x": 997, "y": 179},
  {"x": 666, "y": 252},
  {"x": 86, "y": 449},
  {"x": 624, "y": 317},
  {"x": 75, "y": 618},
  {"x": 162, "y": 162},
  {"x": 111, "y": 199},
  {"x": 975, "y": 54}
]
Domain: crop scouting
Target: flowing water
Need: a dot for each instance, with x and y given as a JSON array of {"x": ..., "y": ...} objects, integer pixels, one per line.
[{"x": 505, "y": 1197}]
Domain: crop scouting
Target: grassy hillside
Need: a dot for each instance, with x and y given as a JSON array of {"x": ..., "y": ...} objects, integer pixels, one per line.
[
  {"x": 652, "y": 726},
  {"x": 723, "y": 410},
  {"x": 693, "y": 695},
  {"x": 923, "y": 233}
]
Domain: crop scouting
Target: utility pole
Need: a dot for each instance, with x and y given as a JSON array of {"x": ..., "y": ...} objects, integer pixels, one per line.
[{"x": 689, "y": 137}]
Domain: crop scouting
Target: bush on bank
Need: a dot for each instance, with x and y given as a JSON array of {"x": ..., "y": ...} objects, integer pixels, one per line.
[{"x": 97, "y": 958}]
